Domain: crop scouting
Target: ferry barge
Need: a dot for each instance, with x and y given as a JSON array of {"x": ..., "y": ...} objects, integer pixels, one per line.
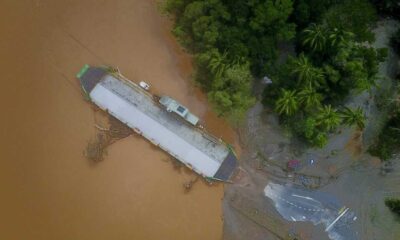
[{"x": 162, "y": 120}]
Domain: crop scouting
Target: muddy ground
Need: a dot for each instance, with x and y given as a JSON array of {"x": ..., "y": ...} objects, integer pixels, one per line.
[{"x": 342, "y": 168}]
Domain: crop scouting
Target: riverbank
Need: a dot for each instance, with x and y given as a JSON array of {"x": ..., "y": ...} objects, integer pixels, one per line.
[{"x": 49, "y": 190}]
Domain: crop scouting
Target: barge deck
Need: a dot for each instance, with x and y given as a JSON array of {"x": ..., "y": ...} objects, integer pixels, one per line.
[{"x": 197, "y": 149}]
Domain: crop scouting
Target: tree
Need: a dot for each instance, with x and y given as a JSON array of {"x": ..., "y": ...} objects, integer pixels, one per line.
[
  {"x": 231, "y": 93},
  {"x": 218, "y": 64},
  {"x": 320, "y": 140},
  {"x": 308, "y": 128},
  {"x": 309, "y": 98},
  {"x": 306, "y": 73},
  {"x": 328, "y": 118},
  {"x": 315, "y": 37},
  {"x": 287, "y": 103},
  {"x": 353, "y": 117},
  {"x": 332, "y": 74},
  {"x": 307, "y": 11},
  {"x": 356, "y": 16},
  {"x": 393, "y": 204},
  {"x": 272, "y": 15},
  {"x": 357, "y": 74},
  {"x": 339, "y": 37},
  {"x": 226, "y": 35},
  {"x": 205, "y": 31}
]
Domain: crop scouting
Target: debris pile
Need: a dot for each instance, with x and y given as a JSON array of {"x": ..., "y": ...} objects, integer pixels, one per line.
[
  {"x": 118, "y": 130},
  {"x": 96, "y": 148}
]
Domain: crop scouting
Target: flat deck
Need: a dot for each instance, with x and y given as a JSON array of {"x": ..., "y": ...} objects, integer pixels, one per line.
[{"x": 131, "y": 105}]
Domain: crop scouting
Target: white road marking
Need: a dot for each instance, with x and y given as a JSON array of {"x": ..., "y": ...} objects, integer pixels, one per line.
[
  {"x": 308, "y": 198},
  {"x": 307, "y": 209},
  {"x": 337, "y": 219}
]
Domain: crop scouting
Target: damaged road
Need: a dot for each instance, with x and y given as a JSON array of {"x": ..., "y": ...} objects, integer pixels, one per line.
[{"x": 295, "y": 204}]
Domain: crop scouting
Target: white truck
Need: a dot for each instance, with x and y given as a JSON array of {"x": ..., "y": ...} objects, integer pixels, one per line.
[{"x": 171, "y": 105}]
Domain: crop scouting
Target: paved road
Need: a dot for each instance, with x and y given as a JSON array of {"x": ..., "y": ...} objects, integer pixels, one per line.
[{"x": 296, "y": 204}]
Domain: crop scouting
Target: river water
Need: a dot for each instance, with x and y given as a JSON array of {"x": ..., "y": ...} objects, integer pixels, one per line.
[{"x": 48, "y": 190}]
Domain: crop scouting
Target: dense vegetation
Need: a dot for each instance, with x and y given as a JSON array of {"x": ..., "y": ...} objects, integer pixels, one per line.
[
  {"x": 232, "y": 41},
  {"x": 388, "y": 141},
  {"x": 236, "y": 41},
  {"x": 388, "y": 8},
  {"x": 393, "y": 204},
  {"x": 395, "y": 42},
  {"x": 332, "y": 60}
]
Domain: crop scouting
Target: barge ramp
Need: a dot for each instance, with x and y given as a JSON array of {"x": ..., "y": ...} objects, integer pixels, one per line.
[{"x": 125, "y": 100}]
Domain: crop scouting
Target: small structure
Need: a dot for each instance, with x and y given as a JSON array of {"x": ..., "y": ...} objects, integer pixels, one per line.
[{"x": 128, "y": 102}]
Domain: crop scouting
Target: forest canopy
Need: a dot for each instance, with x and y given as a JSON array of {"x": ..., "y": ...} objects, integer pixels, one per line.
[
  {"x": 232, "y": 42},
  {"x": 316, "y": 52}
]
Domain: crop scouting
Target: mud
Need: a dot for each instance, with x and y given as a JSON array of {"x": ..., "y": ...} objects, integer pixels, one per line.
[{"x": 48, "y": 189}]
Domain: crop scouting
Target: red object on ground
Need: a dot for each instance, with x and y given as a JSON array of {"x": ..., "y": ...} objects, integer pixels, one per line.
[{"x": 293, "y": 164}]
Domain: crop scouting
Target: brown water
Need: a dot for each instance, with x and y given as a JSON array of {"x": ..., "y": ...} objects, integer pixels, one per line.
[{"x": 48, "y": 190}]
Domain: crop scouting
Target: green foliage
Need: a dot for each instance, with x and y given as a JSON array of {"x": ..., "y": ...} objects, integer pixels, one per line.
[
  {"x": 338, "y": 37},
  {"x": 331, "y": 74},
  {"x": 218, "y": 64},
  {"x": 393, "y": 204},
  {"x": 309, "y": 98},
  {"x": 229, "y": 39},
  {"x": 310, "y": 131},
  {"x": 287, "y": 103},
  {"x": 332, "y": 61},
  {"x": 328, "y": 118},
  {"x": 230, "y": 92},
  {"x": 354, "y": 16},
  {"x": 353, "y": 117},
  {"x": 308, "y": 11},
  {"x": 320, "y": 140},
  {"x": 388, "y": 141},
  {"x": 315, "y": 37},
  {"x": 305, "y": 72},
  {"x": 313, "y": 134},
  {"x": 234, "y": 41}
]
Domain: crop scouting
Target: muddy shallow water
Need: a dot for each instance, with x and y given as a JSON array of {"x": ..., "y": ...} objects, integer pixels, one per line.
[{"x": 48, "y": 190}]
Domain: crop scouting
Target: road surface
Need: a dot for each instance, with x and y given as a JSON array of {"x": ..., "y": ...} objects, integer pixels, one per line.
[{"x": 295, "y": 204}]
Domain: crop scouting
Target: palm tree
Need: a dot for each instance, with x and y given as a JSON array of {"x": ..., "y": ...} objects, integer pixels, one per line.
[
  {"x": 339, "y": 37},
  {"x": 218, "y": 64},
  {"x": 353, "y": 117},
  {"x": 328, "y": 118},
  {"x": 309, "y": 98},
  {"x": 307, "y": 74},
  {"x": 364, "y": 83},
  {"x": 287, "y": 103},
  {"x": 315, "y": 37}
]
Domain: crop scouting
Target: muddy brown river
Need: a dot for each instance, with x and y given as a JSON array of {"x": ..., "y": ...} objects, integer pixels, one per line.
[{"x": 48, "y": 190}]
